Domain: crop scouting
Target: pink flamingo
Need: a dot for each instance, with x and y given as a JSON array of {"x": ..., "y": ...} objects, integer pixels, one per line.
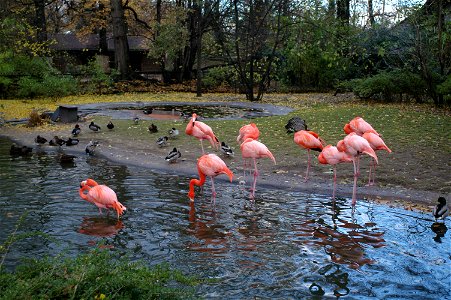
[
  {"x": 247, "y": 131},
  {"x": 208, "y": 165},
  {"x": 332, "y": 156},
  {"x": 359, "y": 126},
  {"x": 376, "y": 143},
  {"x": 251, "y": 148},
  {"x": 355, "y": 145},
  {"x": 311, "y": 141},
  {"x": 100, "y": 195},
  {"x": 201, "y": 131}
]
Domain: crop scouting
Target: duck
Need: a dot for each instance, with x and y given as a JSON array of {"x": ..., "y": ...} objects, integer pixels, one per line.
[
  {"x": 76, "y": 131},
  {"x": 72, "y": 142},
  {"x": 173, "y": 132},
  {"x": 40, "y": 140},
  {"x": 162, "y": 141},
  {"x": 90, "y": 147},
  {"x": 153, "y": 128},
  {"x": 185, "y": 116},
  {"x": 173, "y": 155},
  {"x": 226, "y": 150},
  {"x": 16, "y": 150},
  {"x": 66, "y": 158},
  {"x": 136, "y": 120},
  {"x": 110, "y": 125},
  {"x": 296, "y": 124},
  {"x": 441, "y": 210},
  {"x": 57, "y": 141},
  {"x": 148, "y": 111},
  {"x": 94, "y": 127}
]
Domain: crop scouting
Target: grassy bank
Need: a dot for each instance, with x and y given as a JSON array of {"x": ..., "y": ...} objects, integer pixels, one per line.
[
  {"x": 95, "y": 275},
  {"x": 419, "y": 136}
]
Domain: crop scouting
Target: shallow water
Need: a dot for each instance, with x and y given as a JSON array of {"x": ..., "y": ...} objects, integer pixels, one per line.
[{"x": 285, "y": 245}]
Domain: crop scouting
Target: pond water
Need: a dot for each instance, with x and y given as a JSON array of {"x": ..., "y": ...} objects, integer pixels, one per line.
[
  {"x": 285, "y": 245},
  {"x": 174, "y": 110}
]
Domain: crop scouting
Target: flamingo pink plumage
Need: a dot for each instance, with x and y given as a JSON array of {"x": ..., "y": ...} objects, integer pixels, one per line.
[
  {"x": 311, "y": 141},
  {"x": 208, "y": 165},
  {"x": 100, "y": 195},
  {"x": 248, "y": 131},
  {"x": 359, "y": 126},
  {"x": 377, "y": 143},
  {"x": 332, "y": 156},
  {"x": 355, "y": 145},
  {"x": 201, "y": 131},
  {"x": 254, "y": 149}
]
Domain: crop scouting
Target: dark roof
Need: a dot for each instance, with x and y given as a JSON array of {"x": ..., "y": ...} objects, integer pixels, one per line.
[{"x": 70, "y": 41}]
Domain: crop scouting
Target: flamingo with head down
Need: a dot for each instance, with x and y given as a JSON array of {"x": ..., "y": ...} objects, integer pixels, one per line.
[
  {"x": 209, "y": 165},
  {"x": 101, "y": 196},
  {"x": 332, "y": 156},
  {"x": 359, "y": 126},
  {"x": 201, "y": 131},
  {"x": 377, "y": 143},
  {"x": 247, "y": 131},
  {"x": 251, "y": 148},
  {"x": 311, "y": 141},
  {"x": 355, "y": 145}
]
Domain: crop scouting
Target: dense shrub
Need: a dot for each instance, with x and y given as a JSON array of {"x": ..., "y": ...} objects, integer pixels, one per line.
[
  {"x": 23, "y": 76},
  {"x": 445, "y": 89},
  {"x": 387, "y": 85},
  {"x": 95, "y": 79},
  {"x": 217, "y": 76}
]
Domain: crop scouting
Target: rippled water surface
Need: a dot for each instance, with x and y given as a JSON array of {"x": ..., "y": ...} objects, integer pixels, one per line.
[{"x": 285, "y": 245}]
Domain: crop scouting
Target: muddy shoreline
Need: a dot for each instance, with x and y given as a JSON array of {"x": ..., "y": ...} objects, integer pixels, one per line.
[{"x": 126, "y": 152}]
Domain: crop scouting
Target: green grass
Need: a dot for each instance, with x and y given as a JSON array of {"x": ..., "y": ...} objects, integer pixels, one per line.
[{"x": 95, "y": 275}]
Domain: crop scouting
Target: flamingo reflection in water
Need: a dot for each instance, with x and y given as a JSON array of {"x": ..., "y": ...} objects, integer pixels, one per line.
[
  {"x": 343, "y": 241},
  {"x": 208, "y": 238},
  {"x": 100, "y": 226}
]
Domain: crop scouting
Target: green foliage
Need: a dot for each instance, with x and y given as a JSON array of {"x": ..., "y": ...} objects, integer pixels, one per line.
[
  {"x": 445, "y": 89},
  {"x": 24, "y": 76},
  {"x": 97, "y": 78},
  {"x": 388, "y": 84},
  {"x": 95, "y": 275},
  {"x": 218, "y": 76}
]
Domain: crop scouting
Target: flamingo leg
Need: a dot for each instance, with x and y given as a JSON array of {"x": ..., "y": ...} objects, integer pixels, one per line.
[
  {"x": 369, "y": 175},
  {"x": 202, "y": 145},
  {"x": 255, "y": 179},
  {"x": 354, "y": 189},
  {"x": 213, "y": 191},
  {"x": 374, "y": 172},
  {"x": 335, "y": 182},
  {"x": 308, "y": 164}
]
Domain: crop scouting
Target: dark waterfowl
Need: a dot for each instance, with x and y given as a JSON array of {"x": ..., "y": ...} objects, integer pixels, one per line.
[
  {"x": 441, "y": 210},
  {"x": 173, "y": 132},
  {"x": 94, "y": 127},
  {"x": 148, "y": 111},
  {"x": 72, "y": 142},
  {"x": 110, "y": 125},
  {"x": 173, "y": 155},
  {"x": 136, "y": 120},
  {"x": 90, "y": 147},
  {"x": 76, "y": 131},
  {"x": 153, "y": 128},
  {"x": 57, "y": 141},
  {"x": 295, "y": 124},
  {"x": 66, "y": 158},
  {"x": 162, "y": 141},
  {"x": 40, "y": 140},
  {"x": 226, "y": 149},
  {"x": 16, "y": 150}
]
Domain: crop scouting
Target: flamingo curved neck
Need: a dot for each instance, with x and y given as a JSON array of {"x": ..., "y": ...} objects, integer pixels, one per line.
[
  {"x": 197, "y": 182},
  {"x": 82, "y": 190}
]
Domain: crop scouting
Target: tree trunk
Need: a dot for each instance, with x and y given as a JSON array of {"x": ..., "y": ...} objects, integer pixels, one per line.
[
  {"x": 40, "y": 21},
  {"x": 343, "y": 13},
  {"x": 370, "y": 12},
  {"x": 199, "y": 50},
  {"x": 121, "y": 50}
]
